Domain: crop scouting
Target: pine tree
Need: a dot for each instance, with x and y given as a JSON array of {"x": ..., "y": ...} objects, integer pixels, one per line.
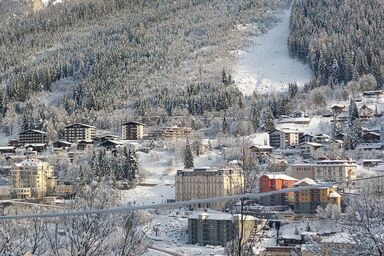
[
  {"x": 225, "y": 126},
  {"x": 224, "y": 77},
  {"x": 134, "y": 164},
  {"x": 336, "y": 128},
  {"x": 268, "y": 120},
  {"x": 353, "y": 113},
  {"x": 255, "y": 115},
  {"x": 354, "y": 129},
  {"x": 188, "y": 156},
  {"x": 292, "y": 90}
]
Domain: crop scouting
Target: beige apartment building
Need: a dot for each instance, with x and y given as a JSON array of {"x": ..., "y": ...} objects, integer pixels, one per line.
[
  {"x": 170, "y": 133},
  {"x": 202, "y": 183},
  {"x": 343, "y": 171},
  {"x": 76, "y": 132},
  {"x": 175, "y": 132},
  {"x": 132, "y": 131},
  {"x": 32, "y": 178},
  {"x": 284, "y": 138}
]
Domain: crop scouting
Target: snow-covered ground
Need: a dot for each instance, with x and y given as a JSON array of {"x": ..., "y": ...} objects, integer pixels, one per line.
[
  {"x": 161, "y": 167},
  {"x": 318, "y": 124},
  {"x": 266, "y": 67},
  {"x": 168, "y": 231}
]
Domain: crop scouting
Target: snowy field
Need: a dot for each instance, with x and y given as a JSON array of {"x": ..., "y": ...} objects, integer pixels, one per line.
[
  {"x": 168, "y": 231},
  {"x": 266, "y": 67},
  {"x": 159, "y": 185},
  {"x": 318, "y": 124}
]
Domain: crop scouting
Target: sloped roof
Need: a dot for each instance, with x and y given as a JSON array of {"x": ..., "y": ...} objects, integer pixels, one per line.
[
  {"x": 211, "y": 216},
  {"x": 313, "y": 144},
  {"x": 83, "y": 125},
  {"x": 32, "y": 130},
  {"x": 278, "y": 176},
  {"x": 304, "y": 181},
  {"x": 334, "y": 194},
  {"x": 132, "y": 122}
]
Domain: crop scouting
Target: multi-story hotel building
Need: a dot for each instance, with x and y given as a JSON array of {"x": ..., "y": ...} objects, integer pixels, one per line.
[
  {"x": 205, "y": 183},
  {"x": 343, "y": 171},
  {"x": 307, "y": 201},
  {"x": 76, "y": 132},
  {"x": 132, "y": 131},
  {"x": 170, "y": 133},
  {"x": 32, "y": 137},
  {"x": 32, "y": 178},
  {"x": 284, "y": 138}
]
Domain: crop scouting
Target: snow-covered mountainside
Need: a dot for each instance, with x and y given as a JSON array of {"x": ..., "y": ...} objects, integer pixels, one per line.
[{"x": 266, "y": 66}]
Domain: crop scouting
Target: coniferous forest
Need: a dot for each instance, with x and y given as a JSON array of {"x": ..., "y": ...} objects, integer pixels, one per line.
[
  {"x": 341, "y": 40},
  {"x": 120, "y": 56}
]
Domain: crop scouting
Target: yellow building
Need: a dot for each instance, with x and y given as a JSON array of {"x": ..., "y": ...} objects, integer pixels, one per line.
[
  {"x": 343, "y": 171},
  {"x": 307, "y": 201},
  {"x": 205, "y": 183},
  {"x": 32, "y": 178}
]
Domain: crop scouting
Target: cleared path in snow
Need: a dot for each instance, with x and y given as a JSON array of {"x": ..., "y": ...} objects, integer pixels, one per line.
[{"x": 266, "y": 66}]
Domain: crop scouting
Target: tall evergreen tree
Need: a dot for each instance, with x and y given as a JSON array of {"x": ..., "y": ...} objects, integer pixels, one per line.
[
  {"x": 134, "y": 164},
  {"x": 255, "y": 115},
  {"x": 354, "y": 129},
  {"x": 188, "y": 156},
  {"x": 353, "y": 112},
  {"x": 268, "y": 120},
  {"x": 225, "y": 126}
]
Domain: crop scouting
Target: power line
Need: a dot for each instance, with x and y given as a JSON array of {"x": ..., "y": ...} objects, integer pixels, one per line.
[
  {"x": 163, "y": 206},
  {"x": 175, "y": 204}
]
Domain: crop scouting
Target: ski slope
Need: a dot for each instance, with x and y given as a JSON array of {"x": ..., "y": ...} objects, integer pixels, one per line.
[{"x": 266, "y": 67}]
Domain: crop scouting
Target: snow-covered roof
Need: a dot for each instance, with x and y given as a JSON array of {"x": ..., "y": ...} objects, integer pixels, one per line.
[
  {"x": 36, "y": 145},
  {"x": 278, "y": 176},
  {"x": 339, "y": 238},
  {"x": 340, "y": 162},
  {"x": 85, "y": 141},
  {"x": 334, "y": 194},
  {"x": 322, "y": 135},
  {"x": 245, "y": 217},
  {"x": 262, "y": 146},
  {"x": 63, "y": 142},
  {"x": 132, "y": 122},
  {"x": 287, "y": 130},
  {"x": 211, "y": 216},
  {"x": 79, "y": 124},
  {"x": 374, "y": 133},
  {"x": 29, "y": 162},
  {"x": 338, "y": 106},
  {"x": 313, "y": 144},
  {"x": 306, "y": 181},
  {"x": 372, "y": 160},
  {"x": 6, "y": 147},
  {"x": 31, "y": 130}
]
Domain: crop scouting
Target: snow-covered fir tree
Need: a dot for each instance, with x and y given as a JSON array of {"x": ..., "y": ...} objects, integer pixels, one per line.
[
  {"x": 188, "y": 156},
  {"x": 354, "y": 128},
  {"x": 268, "y": 121}
]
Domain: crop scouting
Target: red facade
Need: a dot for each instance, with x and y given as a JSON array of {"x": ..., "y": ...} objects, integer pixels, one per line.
[{"x": 274, "y": 182}]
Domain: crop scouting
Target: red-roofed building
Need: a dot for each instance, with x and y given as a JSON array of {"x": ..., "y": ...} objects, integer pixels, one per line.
[{"x": 273, "y": 182}]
